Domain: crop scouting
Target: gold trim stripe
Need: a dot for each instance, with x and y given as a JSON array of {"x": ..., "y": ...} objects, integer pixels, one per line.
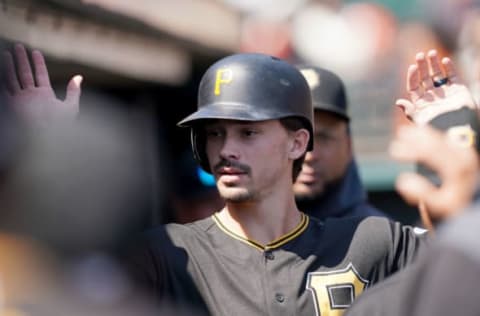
[
  {"x": 297, "y": 231},
  {"x": 236, "y": 236},
  {"x": 292, "y": 235}
]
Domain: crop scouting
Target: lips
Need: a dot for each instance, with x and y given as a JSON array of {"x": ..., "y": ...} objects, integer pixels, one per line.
[
  {"x": 230, "y": 171},
  {"x": 230, "y": 177},
  {"x": 306, "y": 178}
]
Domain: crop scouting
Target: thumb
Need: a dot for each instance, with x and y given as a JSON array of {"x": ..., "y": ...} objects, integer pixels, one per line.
[
  {"x": 72, "y": 98},
  {"x": 406, "y": 106}
]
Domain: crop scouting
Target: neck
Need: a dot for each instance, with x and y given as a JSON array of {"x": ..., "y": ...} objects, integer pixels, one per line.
[{"x": 263, "y": 221}]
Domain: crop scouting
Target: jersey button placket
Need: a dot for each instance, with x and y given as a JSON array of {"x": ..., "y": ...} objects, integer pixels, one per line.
[
  {"x": 279, "y": 297},
  {"x": 269, "y": 255}
]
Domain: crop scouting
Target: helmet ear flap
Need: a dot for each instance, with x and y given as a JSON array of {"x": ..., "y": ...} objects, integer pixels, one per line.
[{"x": 197, "y": 139}]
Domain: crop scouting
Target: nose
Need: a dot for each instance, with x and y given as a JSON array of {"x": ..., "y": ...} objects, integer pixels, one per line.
[
  {"x": 229, "y": 150},
  {"x": 310, "y": 156}
]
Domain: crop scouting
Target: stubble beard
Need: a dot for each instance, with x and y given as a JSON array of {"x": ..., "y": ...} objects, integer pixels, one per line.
[{"x": 235, "y": 195}]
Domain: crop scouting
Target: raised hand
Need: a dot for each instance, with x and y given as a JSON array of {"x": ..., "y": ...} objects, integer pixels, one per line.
[
  {"x": 30, "y": 93},
  {"x": 434, "y": 88},
  {"x": 456, "y": 165}
]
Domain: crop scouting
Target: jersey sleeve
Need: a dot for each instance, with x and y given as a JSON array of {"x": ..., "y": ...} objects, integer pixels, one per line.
[
  {"x": 160, "y": 264},
  {"x": 376, "y": 246},
  {"x": 406, "y": 242},
  {"x": 145, "y": 263}
]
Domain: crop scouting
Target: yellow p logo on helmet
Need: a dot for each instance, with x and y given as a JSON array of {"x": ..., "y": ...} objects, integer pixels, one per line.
[{"x": 223, "y": 76}]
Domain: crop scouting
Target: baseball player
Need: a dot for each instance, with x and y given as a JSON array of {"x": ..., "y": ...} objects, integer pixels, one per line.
[
  {"x": 329, "y": 184},
  {"x": 260, "y": 255}
]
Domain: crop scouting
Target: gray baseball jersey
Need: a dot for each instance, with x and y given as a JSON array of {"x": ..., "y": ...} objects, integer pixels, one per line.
[{"x": 318, "y": 268}]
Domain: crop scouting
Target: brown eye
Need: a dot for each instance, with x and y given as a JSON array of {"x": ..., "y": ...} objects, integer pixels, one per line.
[
  {"x": 213, "y": 133},
  {"x": 249, "y": 133},
  {"x": 323, "y": 137}
]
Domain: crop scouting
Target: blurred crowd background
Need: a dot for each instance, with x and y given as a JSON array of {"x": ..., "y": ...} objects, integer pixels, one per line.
[{"x": 144, "y": 58}]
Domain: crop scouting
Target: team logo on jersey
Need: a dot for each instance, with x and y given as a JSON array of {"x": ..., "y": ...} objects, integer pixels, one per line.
[
  {"x": 334, "y": 291},
  {"x": 223, "y": 76}
]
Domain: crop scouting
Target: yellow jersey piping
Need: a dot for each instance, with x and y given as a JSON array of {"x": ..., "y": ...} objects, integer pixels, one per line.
[{"x": 297, "y": 231}]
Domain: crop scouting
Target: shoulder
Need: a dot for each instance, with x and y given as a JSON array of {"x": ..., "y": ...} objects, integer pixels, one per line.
[
  {"x": 179, "y": 233},
  {"x": 364, "y": 229},
  {"x": 373, "y": 225},
  {"x": 362, "y": 223},
  {"x": 172, "y": 241},
  {"x": 373, "y": 231}
]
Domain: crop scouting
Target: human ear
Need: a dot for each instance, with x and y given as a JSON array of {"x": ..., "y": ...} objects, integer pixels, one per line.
[{"x": 299, "y": 143}]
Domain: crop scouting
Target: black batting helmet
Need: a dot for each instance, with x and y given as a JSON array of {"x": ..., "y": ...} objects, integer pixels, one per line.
[
  {"x": 328, "y": 90},
  {"x": 250, "y": 87}
]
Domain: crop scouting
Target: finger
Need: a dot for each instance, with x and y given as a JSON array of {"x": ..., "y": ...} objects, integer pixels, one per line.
[
  {"x": 423, "y": 71},
  {"x": 414, "y": 88},
  {"x": 413, "y": 187},
  {"x": 24, "y": 69},
  {"x": 423, "y": 145},
  {"x": 450, "y": 70},
  {"x": 406, "y": 106},
  {"x": 73, "y": 92},
  {"x": 41, "y": 72},
  {"x": 12, "y": 81},
  {"x": 434, "y": 65}
]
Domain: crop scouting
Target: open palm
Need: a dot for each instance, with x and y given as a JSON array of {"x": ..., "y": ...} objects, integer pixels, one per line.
[
  {"x": 30, "y": 92},
  {"x": 427, "y": 100}
]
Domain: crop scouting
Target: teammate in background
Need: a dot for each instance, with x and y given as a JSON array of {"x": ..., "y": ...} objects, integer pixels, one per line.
[
  {"x": 260, "y": 254},
  {"x": 329, "y": 184}
]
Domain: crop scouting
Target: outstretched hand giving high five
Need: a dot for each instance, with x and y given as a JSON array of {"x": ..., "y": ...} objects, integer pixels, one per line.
[
  {"x": 30, "y": 93},
  {"x": 438, "y": 98},
  {"x": 434, "y": 88}
]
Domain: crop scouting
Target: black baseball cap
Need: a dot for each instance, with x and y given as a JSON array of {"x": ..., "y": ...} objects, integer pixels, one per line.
[{"x": 327, "y": 89}]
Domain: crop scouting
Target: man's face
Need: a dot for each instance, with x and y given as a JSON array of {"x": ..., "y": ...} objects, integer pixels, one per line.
[
  {"x": 249, "y": 160},
  {"x": 328, "y": 161}
]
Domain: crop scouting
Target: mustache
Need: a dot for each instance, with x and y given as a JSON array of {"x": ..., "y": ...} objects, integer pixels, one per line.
[{"x": 233, "y": 164}]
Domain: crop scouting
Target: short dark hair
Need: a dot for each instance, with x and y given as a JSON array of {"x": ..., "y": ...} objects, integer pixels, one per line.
[{"x": 294, "y": 124}]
